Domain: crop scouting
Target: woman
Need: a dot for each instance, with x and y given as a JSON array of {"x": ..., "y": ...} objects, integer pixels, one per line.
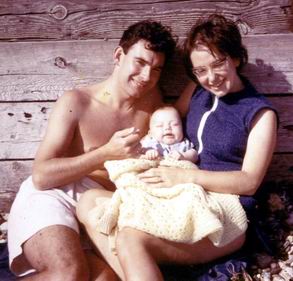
[{"x": 233, "y": 128}]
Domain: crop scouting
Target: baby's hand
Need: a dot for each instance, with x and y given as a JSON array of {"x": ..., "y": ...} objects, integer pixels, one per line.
[
  {"x": 152, "y": 154},
  {"x": 175, "y": 155}
]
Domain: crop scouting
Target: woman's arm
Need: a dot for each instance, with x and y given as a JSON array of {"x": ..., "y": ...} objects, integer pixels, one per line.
[
  {"x": 259, "y": 152},
  {"x": 182, "y": 103}
]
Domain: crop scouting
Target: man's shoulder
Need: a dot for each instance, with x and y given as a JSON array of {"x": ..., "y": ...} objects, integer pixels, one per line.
[
  {"x": 77, "y": 98},
  {"x": 75, "y": 95}
]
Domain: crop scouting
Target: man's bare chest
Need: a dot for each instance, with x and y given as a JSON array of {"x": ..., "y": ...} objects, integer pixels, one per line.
[{"x": 96, "y": 129}]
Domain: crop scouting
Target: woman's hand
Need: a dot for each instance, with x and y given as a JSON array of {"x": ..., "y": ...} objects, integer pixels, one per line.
[{"x": 164, "y": 176}]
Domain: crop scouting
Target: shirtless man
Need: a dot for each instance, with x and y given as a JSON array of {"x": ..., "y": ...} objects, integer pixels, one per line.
[{"x": 87, "y": 127}]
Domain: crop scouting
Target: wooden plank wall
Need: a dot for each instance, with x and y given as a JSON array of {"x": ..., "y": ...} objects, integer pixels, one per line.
[{"x": 47, "y": 47}]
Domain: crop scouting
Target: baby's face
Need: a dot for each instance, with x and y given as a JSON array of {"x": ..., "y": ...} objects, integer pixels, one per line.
[{"x": 166, "y": 126}]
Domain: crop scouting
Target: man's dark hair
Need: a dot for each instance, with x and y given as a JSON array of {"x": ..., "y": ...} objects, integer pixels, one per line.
[
  {"x": 217, "y": 33},
  {"x": 159, "y": 37}
]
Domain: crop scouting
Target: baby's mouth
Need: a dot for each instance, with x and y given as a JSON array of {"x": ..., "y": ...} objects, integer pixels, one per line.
[{"x": 168, "y": 135}]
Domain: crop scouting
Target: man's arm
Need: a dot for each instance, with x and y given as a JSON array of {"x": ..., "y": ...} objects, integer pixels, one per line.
[{"x": 53, "y": 167}]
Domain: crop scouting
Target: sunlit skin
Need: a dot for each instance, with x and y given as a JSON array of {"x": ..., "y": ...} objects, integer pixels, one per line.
[
  {"x": 215, "y": 71},
  {"x": 87, "y": 127},
  {"x": 127, "y": 98}
]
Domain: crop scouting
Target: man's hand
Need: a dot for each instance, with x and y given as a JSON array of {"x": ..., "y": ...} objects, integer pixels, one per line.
[{"x": 124, "y": 144}]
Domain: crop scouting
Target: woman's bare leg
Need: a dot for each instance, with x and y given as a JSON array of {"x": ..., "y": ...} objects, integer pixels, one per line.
[
  {"x": 136, "y": 259},
  {"x": 139, "y": 253},
  {"x": 101, "y": 241}
]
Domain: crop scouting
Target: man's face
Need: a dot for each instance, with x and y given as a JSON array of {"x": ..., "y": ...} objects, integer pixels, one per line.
[
  {"x": 139, "y": 69},
  {"x": 166, "y": 126}
]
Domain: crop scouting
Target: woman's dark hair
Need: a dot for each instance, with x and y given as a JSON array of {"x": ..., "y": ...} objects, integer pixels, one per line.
[
  {"x": 159, "y": 37},
  {"x": 217, "y": 33}
]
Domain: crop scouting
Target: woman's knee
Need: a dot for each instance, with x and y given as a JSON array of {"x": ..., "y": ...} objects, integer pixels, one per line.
[
  {"x": 239, "y": 242},
  {"x": 87, "y": 202},
  {"x": 130, "y": 239},
  {"x": 218, "y": 252},
  {"x": 129, "y": 235}
]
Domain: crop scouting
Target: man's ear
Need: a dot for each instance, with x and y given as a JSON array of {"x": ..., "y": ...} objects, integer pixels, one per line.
[
  {"x": 236, "y": 62},
  {"x": 118, "y": 52}
]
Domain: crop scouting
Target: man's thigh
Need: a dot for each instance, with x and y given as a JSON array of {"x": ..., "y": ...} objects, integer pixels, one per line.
[{"x": 54, "y": 247}]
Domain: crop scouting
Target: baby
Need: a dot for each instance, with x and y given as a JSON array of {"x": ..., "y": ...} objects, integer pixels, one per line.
[{"x": 165, "y": 137}]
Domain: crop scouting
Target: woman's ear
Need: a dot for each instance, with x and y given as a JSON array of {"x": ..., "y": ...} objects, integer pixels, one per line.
[{"x": 118, "y": 52}]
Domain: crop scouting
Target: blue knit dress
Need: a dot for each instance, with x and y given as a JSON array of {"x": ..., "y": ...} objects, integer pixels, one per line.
[{"x": 219, "y": 127}]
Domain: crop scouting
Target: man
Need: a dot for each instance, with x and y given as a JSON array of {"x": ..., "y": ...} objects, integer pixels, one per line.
[{"x": 87, "y": 127}]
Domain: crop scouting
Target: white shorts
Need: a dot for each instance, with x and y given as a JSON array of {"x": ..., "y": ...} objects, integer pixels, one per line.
[{"x": 33, "y": 210}]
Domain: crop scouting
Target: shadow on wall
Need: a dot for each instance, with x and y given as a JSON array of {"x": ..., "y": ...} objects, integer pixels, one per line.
[
  {"x": 173, "y": 78},
  {"x": 266, "y": 79}
]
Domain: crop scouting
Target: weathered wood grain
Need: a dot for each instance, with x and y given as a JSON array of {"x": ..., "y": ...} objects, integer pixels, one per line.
[
  {"x": 281, "y": 169},
  {"x": 284, "y": 107},
  {"x": 23, "y": 125},
  {"x": 38, "y": 63},
  {"x": 46, "y": 20},
  {"x": 44, "y": 70},
  {"x": 32, "y": 71},
  {"x": 12, "y": 173}
]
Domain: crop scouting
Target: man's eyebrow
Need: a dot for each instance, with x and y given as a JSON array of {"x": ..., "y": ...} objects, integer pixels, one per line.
[
  {"x": 141, "y": 59},
  {"x": 146, "y": 62}
]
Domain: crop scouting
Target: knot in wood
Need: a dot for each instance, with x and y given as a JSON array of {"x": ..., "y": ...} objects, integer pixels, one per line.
[
  {"x": 243, "y": 27},
  {"x": 16, "y": 166},
  {"x": 60, "y": 62},
  {"x": 59, "y": 12}
]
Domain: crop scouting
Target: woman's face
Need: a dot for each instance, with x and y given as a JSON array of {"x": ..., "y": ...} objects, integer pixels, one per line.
[{"x": 215, "y": 72}]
